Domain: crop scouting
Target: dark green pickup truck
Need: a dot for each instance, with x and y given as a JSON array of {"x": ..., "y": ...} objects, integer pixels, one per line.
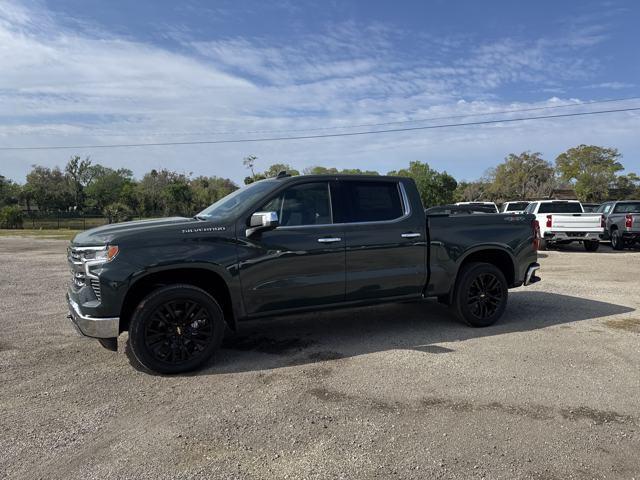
[{"x": 287, "y": 245}]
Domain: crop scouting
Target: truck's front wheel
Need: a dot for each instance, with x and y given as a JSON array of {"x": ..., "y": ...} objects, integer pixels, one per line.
[
  {"x": 176, "y": 329},
  {"x": 481, "y": 294}
]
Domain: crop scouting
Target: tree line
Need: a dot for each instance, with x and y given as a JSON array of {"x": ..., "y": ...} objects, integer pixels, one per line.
[{"x": 594, "y": 173}]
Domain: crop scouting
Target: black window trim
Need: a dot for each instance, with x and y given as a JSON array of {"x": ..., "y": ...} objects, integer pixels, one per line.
[{"x": 404, "y": 200}]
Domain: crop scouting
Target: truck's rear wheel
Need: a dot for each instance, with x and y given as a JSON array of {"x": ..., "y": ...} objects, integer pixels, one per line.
[
  {"x": 591, "y": 245},
  {"x": 176, "y": 329},
  {"x": 542, "y": 244},
  {"x": 617, "y": 243},
  {"x": 481, "y": 294}
]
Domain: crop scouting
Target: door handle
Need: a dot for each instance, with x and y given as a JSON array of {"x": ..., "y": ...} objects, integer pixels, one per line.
[
  {"x": 410, "y": 235},
  {"x": 329, "y": 239}
]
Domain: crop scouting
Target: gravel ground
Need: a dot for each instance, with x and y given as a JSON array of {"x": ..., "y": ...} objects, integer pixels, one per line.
[{"x": 401, "y": 391}]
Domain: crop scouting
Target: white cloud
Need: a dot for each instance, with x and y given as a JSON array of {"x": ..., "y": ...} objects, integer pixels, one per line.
[{"x": 63, "y": 87}]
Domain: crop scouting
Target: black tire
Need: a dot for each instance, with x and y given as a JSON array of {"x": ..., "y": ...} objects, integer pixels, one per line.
[
  {"x": 591, "y": 245},
  {"x": 481, "y": 294},
  {"x": 176, "y": 329},
  {"x": 543, "y": 245},
  {"x": 617, "y": 243}
]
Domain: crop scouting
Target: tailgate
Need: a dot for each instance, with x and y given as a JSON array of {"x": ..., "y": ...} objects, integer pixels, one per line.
[{"x": 576, "y": 222}]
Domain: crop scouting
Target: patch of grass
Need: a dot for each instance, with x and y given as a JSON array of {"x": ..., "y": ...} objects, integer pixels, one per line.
[
  {"x": 627, "y": 324},
  {"x": 61, "y": 234}
]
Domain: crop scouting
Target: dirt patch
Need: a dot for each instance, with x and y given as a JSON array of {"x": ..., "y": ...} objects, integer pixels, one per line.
[
  {"x": 626, "y": 324},
  {"x": 327, "y": 395},
  {"x": 598, "y": 417}
]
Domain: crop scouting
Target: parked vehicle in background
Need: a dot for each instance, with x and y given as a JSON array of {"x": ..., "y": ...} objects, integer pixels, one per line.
[
  {"x": 287, "y": 245},
  {"x": 491, "y": 205},
  {"x": 621, "y": 222},
  {"x": 590, "y": 207},
  {"x": 513, "y": 207},
  {"x": 459, "y": 209},
  {"x": 564, "y": 221}
]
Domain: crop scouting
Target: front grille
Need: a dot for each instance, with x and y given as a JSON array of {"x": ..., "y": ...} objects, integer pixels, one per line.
[
  {"x": 79, "y": 278},
  {"x": 95, "y": 285}
]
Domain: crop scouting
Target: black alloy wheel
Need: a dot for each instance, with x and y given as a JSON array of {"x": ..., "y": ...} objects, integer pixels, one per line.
[
  {"x": 481, "y": 294},
  {"x": 176, "y": 329},
  {"x": 484, "y": 296}
]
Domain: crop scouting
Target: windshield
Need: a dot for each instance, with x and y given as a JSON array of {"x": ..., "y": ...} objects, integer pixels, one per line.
[
  {"x": 628, "y": 207},
  {"x": 560, "y": 207},
  {"x": 229, "y": 206}
]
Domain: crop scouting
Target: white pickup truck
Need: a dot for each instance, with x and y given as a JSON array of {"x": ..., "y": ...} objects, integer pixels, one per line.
[{"x": 564, "y": 221}]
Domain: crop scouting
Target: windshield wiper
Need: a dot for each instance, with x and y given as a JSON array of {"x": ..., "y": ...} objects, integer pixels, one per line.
[{"x": 200, "y": 217}]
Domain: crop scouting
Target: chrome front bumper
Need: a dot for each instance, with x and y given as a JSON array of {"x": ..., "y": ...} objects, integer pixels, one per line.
[
  {"x": 530, "y": 277},
  {"x": 92, "y": 326}
]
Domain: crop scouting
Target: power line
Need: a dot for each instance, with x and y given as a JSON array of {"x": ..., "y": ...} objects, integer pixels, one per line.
[
  {"x": 328, "y": 135},
  {"x": 361, "y": 125}
]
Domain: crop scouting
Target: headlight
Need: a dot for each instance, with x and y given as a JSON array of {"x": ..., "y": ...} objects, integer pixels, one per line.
[{"x": 99, "y": 255}]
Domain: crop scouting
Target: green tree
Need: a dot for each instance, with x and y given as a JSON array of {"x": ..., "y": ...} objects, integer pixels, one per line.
[
  {"x": 357, "y": 171},
  {"x": 109, "y": 186},
  {"x": 472, "y": 191},
  {"x": 276, "y": 168},
  {"x": 164, "y": 192},
  {"x": 79, "y": 172},
  {"x": 590, "y": 169},
  {"x": 49, "y": 189},
  {"x": 117, "y": 212},
  {"x": 521, "y": 177},
  {"x": 208, "y": 190},
  {"x": 625, "y": 187},
  {"x": 10, "y": 192},
  {"x": 436, "y": 188},
  {"x": 318, "y": 170}
]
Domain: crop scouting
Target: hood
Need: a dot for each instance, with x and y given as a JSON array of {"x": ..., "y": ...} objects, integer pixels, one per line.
[{"x": 117, "y": 232}]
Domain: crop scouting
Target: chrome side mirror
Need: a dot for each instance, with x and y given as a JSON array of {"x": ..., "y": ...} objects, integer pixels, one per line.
[{"x": 262, "y": 221}]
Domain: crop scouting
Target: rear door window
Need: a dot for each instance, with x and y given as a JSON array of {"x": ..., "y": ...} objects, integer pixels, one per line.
[
  {"x": 560, "y": 207},
  {"x": 372, "y": 201}
]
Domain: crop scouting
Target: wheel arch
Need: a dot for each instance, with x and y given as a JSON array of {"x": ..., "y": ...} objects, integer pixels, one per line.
[
  {"x": 494, "y": 255},
  {"x": 207, "y": 279}
]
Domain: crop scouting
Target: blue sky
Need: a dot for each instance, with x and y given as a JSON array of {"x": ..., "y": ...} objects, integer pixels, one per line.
[{"x": 85, "y": 72}]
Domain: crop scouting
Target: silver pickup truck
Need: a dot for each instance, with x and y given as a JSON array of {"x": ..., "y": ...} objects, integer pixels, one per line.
[{"x": 622, "y": 222}]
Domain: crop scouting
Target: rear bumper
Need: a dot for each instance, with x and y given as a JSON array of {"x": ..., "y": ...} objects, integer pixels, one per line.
[
  {"x": 572, "y": 236},
  {"x": 531, "y": 277},
  {"x": 631, "y": 235},
  {"x": 89, "y": 326}
]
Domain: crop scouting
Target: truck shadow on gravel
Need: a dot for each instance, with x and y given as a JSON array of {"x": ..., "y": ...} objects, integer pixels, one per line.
[{"x": 332, "y": 336}]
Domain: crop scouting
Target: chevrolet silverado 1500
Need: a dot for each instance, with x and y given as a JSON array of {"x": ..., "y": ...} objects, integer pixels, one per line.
[
  {"x": 621, "y": 222},
  {"x": 564, "y": 221},
  {"x": 287, "y": 245}
]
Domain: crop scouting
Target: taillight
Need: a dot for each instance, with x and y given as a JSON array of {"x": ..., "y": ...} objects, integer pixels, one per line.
[
  {"x": 628, "y": 221},
  {"x": 603, "y": 221},
  {"x": 536, "y": 234},
  {"x": 548, "y": 221}
]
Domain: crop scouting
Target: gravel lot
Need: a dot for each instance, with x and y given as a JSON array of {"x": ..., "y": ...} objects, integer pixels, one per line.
[{"x": 401, "y": 391}]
